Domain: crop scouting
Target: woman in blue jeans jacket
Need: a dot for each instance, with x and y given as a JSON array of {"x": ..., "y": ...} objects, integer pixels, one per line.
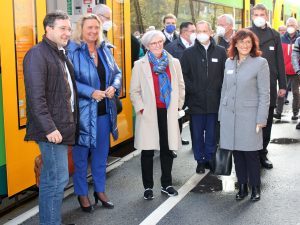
[{"x": 98, "y": 80}]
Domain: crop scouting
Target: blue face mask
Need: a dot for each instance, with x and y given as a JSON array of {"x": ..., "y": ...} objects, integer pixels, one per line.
[{"x": 170, "y": 28}]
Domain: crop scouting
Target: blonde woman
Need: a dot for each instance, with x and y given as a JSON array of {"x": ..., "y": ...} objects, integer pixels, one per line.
[{"x": 98, "y": 80}]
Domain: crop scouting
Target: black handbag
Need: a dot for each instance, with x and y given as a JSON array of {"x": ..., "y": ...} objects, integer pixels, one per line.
[
  {"x": 118, "y": 105},
  {"x": 223, "y": 162}
]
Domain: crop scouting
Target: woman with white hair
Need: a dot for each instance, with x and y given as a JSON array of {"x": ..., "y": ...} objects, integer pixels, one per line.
[
  {"x": 98, "y": 80},
  {"x": 157, "y": 92}
]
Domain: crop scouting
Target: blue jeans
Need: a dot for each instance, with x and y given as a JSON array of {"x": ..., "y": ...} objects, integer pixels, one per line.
[
  {"x": 54, "y": 178},
  {"x": 204, "y": 136},
  {"x": 98, "y": 159}
]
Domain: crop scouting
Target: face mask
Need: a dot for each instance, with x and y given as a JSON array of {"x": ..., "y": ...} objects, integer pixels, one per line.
[
  {"x": 137, "y": 36},
  {"x": 107, "y": 25},
  {"x": 170, "y": 28},
  {"x": 202, "y": 37},
  {"x": 220, "y": 31},
  {"x": 291, "y": 30},
  {"x": 193, "y": 37},
  {"x": 259, "y": 21}
]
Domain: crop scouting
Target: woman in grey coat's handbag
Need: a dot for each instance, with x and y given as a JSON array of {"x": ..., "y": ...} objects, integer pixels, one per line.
[{"x": 244, "y": 109}]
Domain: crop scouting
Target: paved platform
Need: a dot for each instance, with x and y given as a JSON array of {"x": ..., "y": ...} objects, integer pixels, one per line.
[{"x": 203, "y": 199}]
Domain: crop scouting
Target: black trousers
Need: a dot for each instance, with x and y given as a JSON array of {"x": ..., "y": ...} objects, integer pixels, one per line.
[
  {"x": 166, "y": 157},
  {"x": 247, "y": 167},
  {"x": 267, "y": 132},
  {"x": 180, "y": 122}
]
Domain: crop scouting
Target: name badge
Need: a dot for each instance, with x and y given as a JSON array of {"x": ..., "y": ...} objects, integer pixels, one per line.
[
  {"x": 230, "y": 71},
  {"x": 271, "y": 48},
  {"x": 214, "y": 59}
]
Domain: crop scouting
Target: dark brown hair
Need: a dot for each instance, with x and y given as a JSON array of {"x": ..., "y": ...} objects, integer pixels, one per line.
[{"x": 241, "y": 35}]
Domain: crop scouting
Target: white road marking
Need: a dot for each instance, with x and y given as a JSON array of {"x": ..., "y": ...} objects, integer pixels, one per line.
[
  {"x": 26, "y": 215},
  {"x": 165, "y": 207}
]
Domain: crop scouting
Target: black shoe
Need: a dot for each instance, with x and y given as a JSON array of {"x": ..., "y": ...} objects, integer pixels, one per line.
[
  {"x": 298, "y": 126},
  {"x": 277, "y": 116},
  {"x": 184, "y": 142},
  {"x": 170, "y": 191},
  {"x": 286, "y": 102},
  {"x": 148, "y": 194},
  {"x": 68, "y": 224},
  {"x": 174, "y": 154},
  {"x": 266, "y": 163},
  {"x": 105, "y": 204},
  {"x": 294, "y": 117},
  {"x": 255, "y": 196},
  {"x": 200, "y": 168},
  {"x": 87, "y": 209},
  {"x": 243, "y": 192}
]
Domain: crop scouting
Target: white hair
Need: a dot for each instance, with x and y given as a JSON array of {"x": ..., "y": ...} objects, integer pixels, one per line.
[
  {"x": 101, "y": 9},
  {"x": 292, "y": 20},
  {"x": 229, "y": 18},
  {"x": 149, "y": 35}
]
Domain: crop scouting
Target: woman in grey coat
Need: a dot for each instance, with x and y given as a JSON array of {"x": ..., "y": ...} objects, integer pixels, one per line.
[{"x": 244, "y": 109}]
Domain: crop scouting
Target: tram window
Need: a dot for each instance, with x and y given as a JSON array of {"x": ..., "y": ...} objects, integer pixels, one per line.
[{"x": 282, "y": 12}]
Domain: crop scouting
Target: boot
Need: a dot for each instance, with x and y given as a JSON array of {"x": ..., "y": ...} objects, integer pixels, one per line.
[
  {"x": 243, "y": 192},
  {"x": 255, "y": 196}
]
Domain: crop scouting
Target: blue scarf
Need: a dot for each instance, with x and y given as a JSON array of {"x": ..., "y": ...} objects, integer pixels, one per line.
[{"x": 159, "y": 68}]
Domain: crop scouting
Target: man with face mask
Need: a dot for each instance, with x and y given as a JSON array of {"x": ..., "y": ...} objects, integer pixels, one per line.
[
  {"x": 288, "y": 41},
  {"x": 104, "y": 13},
  {"x": 203, "y": 70},
  {"x": 224, "y": 30},
  {"x": 186, "y": 39},
  {"x": 270, "y": 45},
  {"x": 169, "y": 22}
]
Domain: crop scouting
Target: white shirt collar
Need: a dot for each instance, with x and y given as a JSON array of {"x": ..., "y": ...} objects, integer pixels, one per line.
[
  {"x": 169, "y": 36},
  {"x": 185, "y": 43}
]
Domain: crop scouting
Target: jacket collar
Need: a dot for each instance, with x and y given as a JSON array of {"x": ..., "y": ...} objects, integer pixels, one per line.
[
  {"x": 51, "y": 44},
  {"x": 199, "y": 46}
]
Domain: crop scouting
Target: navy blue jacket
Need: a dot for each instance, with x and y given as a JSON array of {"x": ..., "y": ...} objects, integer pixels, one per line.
[
  {"x": 176, "y": 48},
  {"x": 87, "y": 81}
]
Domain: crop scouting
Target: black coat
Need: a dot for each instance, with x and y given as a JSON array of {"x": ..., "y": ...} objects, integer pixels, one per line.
[
  {"x": 270, "y": 45},
  {"x": 48, "y": 93},
  {"x": 176, "y": 48},
  {"x": 203, "y": 74}
]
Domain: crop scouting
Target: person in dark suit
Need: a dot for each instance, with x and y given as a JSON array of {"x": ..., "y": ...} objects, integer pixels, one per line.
[
  {"x": 270, "y": 45},
  {"x": 186, "y": 39},
  {"x": 224, "y": 30},
  {"x": 203, "y": 71},
  {"x": 169, "y": 22}
]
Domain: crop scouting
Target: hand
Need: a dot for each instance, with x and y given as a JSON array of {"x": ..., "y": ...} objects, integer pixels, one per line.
[
  {"x": 98, "y": 95},
  {"x": 259, "y": 126},
  {"x": 110, "y": 92},
  {"x": 54, "y": 137},
  {"x": 281, "y": 92}
]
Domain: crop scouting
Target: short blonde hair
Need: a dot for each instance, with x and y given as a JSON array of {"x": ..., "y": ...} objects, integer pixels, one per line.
[
  {"x": 204, "y": 22},
  {"x": 77, "y": 35},
  {"x": 149, "y": 35}
]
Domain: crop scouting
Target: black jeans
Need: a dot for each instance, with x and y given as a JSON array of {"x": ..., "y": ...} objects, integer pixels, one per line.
[
  {"x": 166, "y": 158},
  {"x": 267, "y": 133},
  {"x": 247, "y": 167}
]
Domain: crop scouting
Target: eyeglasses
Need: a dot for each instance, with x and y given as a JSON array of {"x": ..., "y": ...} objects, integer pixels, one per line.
[
  {"x": 152, "y": 44},
  {"x": 105, "y": 17}
]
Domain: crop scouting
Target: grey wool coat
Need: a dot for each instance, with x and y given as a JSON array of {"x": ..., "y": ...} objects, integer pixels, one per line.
[{"x": 245, "y": 100}]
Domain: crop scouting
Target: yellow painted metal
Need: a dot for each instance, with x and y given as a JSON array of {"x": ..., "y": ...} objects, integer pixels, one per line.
[
  {"x": 277, "y": 18},
  {"x": 19, "y": 154},
  {"x": 120, "y": 37},
  {"x": 247, "y": 14}
]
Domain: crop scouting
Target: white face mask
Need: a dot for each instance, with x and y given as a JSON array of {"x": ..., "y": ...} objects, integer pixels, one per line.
[
  {"x": 220, "y": 31},
  {"x": 259, "y": 21},
  {"x": 291, "y": 30},
  {"x": 107, "y": 25},
  {"x": 202, "y": 38},
  {"x": 193, "y": 37}
]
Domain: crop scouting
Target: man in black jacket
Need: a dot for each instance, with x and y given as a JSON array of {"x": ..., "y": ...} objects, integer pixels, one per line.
[
  {"x": 203, "y": 71},
  {"x": 186, "y": 39},
  {"x": 51, "y": 111},
  {"x": 270, "y": 45}
]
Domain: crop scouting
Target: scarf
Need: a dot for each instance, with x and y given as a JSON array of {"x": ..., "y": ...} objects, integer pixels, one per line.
[{"x": 159, "y": 68}]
